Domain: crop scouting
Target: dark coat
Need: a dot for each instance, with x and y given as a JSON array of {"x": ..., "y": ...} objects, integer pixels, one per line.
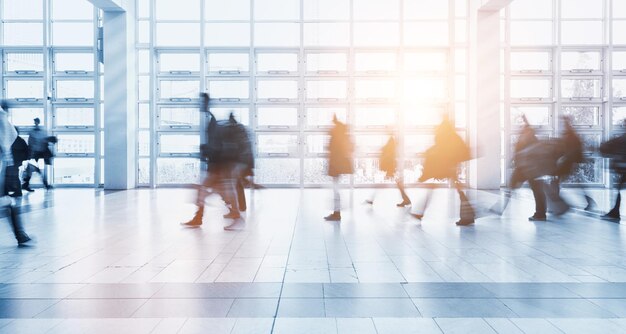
[
  {"x": 20, "y": 151},
  {"x": 387, "y": 160},
  {"x": 340, "y": 151},
  {"x": 442, "y": 159}
]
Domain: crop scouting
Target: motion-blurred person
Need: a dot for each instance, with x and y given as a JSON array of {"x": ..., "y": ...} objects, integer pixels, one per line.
[
  {"x": 615, "y": 149},
  {"x": 8, "y": 134},
  {"x": 340, "y": 149},
  {"x": 571, "y": 156},
  {"x": 442, "y": 162},
  {"x": 387, "y": 162},
  {"x": 39, "y": 143},
  {"x": 20, "y": 153}
]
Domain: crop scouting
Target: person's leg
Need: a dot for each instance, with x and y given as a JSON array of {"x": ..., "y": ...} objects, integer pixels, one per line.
[
  {"x": 537, "y": 187},
  {"x": 405, "y": 199},
  {"x": 44, "y": 175},
  {"x": 241, "y": 195},
  {"x": 419, "y": 214},
  {"x": 28, "y": 173},
  {"x": 200, "y": 199},
  {"x": 229, "y": 182},
  {"x": 16, "y": 226},
  {"x": 553, "y": 193},
  {"x": 466, "y": 211},
  {"x": 13, "y": 181},
  {"x": 336, "y": 215},
  {"x": 615, "y": 211}
]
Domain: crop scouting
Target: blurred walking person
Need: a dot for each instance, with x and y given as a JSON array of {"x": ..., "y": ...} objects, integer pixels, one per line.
[
  {"x": 340, "y": 149},
  {"x": 39, "y": 143},
  {"x": 8, "y": 134},
  {"x": 387, "y": 162},
  {"x": 615, "y": 149},
  {"x": 20, "y": 153},
  {"x": 442, "y": 162}
]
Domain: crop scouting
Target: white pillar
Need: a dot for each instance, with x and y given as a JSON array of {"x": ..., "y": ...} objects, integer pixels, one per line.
[
  {"x": 484, "y": 124},
  {"x": 120, "y": 108}
]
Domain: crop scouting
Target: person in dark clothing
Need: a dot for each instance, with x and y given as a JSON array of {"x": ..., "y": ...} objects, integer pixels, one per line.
[
  {"x": 39, "y": 143},
  {"x": 615, "y": 149},
  {"x": 20, "y": 152},
  {"x": 387, "y": 162},
  {"x": 442, "y": 162},
  {"x": 340, "y": 149}
]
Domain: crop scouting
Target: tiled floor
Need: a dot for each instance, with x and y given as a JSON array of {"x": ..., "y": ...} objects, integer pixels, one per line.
[{"x": 120, "y": 262}]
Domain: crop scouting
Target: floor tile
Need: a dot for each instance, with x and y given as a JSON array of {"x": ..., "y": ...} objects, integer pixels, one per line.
[
  {"x": 24, "y": 308},
  {"x": 184, "y": 308},
  {"x": 464, "y": 325},
  {"x": 116, "y": 291},
  {"x": 364, "y": 290},
  {"x": 462, "y": 308},
  {"x": 556, "y": 308},
  {"x": 250, "y": 308},
  {"x": 447, "y": 290},
  {"x": 305, "y": 326},
  {"x": 301, "y": 308},
  {"x": 406, "y": 326},
  {"x": 370, "y": 307},
  {"x": 93, "y": 308}
]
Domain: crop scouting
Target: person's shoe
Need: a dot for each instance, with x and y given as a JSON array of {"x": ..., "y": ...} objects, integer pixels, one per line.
[
  {"x": 612, "y": 217},
  {"x": 417, "y": 215},
  {"x": 16, "y": 194},
  {"x": 27, "y": 188},
  {"x": 25, "y": 242},
  {"x": 237, "y": 225},
  {"x": 49, "y": 187},
  {"x": 333, "y": 217},
  {"x": 232, "y": 215},
  {"x": 464, "y": 222},
  {"x": 195, "y": 221},
  {"x": 537, "y": 219},
  {"x": 591, "y": 204},
  {"x": 369, "y": 201},
  {"x": 403, "y": 204}
]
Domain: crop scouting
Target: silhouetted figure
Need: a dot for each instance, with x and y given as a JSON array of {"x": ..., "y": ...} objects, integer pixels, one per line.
[
  {"x": 442, "y": 162},
  {"x": 340, "y": 149},
  {"x": 615, "y": 149},
  {"x": 228, "y": 153},
  {"x": 8, "y": 134},
  {"x": 387, "y": 162},
  {"x": 39, "y": 143},
  {"x": 571, "y": 156},
  {"x": 20, "y": 153}
]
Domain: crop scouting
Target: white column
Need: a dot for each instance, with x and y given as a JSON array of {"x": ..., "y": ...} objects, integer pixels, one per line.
[
  {"x": 484, "y": 124},
  {"x": 120, "y": 107}
]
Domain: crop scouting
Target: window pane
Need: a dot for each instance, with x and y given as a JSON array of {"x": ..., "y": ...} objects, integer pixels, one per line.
[
  {"x": 531, "y": 88},
  {"x": 374, "y": 118},
  {"x": 177, "y": 171},
  {"x": 74, "y": 62},
  {"x": 25, "y": 116},
  {"x": 418, "y": 143},
  {"x": 228, "y": 63},
  {"x": 376, "y": 34},
  {"x": 178, "y": 117},
  {"x": 316, "y": 171},
  {"x": 70, "y": 89},
  {"x": 143, "y": 175},
  {"x": 425, "y": 62},
  {"x": 619, "y": 116},
  {"x": 423, "y": 116},
  {"x": 279, "y": 63},
  {"x": 143, "y": 83},
  {"x": 242, "y": 115},
  {"x": 24, "y": 89},
  {"x": 326, "y": 34},
  {"x": 277, "y": 89},
  {"x": 587, "y": 172},
  {"x": 144, "y": 116},
  {"x": 367, "y": 171},
  {"x": 376, "y": 9},
  {"x": 583, "y": 116},
  {"x": 367, "y": 144},
  {"x": 425, "y": 9},
  {"x": 536, "y": 115},
  {"x": 276, "y": 9},
  {"x": 169, "y": 34},
  {"x": 70, "y": 143},
  {"x": 74, "y": 171},
  {"x": 531, "y": 33},
  {"x": 143, "y": 32},
  {"x": 227, "y": 34},
  {"x": 437, "y": 33},
  {"x": 173, "y": 62},
  {"x": 188, "y": 10},
  {"x": 277, "y": 171},
  {"x": 326, "y": 89},
  {"x": 530, "y": 61},
  {"x": 169, "y": 89},
  {"x": 581, "y": 61},
  {"x": 227, "y": 10},
  {"x": 22, "y": 9},
  {"x": 531, "y": 9},
  {"x": 72, "y": 34},
  {"x": 71, "y": 10},
  {"x": 619, "y": 61},
  {"x": 582, "y": 9},
  {"x": 24, "y": 62},
  {"x": 277, "y": 34},
  {"x": 375, "y": 62},
  {"x": 317, "y": 144},
  {"x": 589, "y": 32},
  {"x": 22, "y": 33},
  {"x": 619, "y": 9},
  {"x": 143, "y": 143},
  {"x": 229, "y": 89},
  {"x": 375, "y": 89},
  {"x": 74, "y": 117},
  {"x": 619, "y": 88},
  {"x": 277, "y": 117},
  {"x": 424, "y": 89},
  {"x": 326, "y": 62},
  {"x": 278, "y": 144},
  {"x": 581, "y": 88},
  {"x": 619, "y": 26},
  {"x": 179, "y": 143},
  {"x": 327, "y": 10},
  {"x": 322, "y": 117}
]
